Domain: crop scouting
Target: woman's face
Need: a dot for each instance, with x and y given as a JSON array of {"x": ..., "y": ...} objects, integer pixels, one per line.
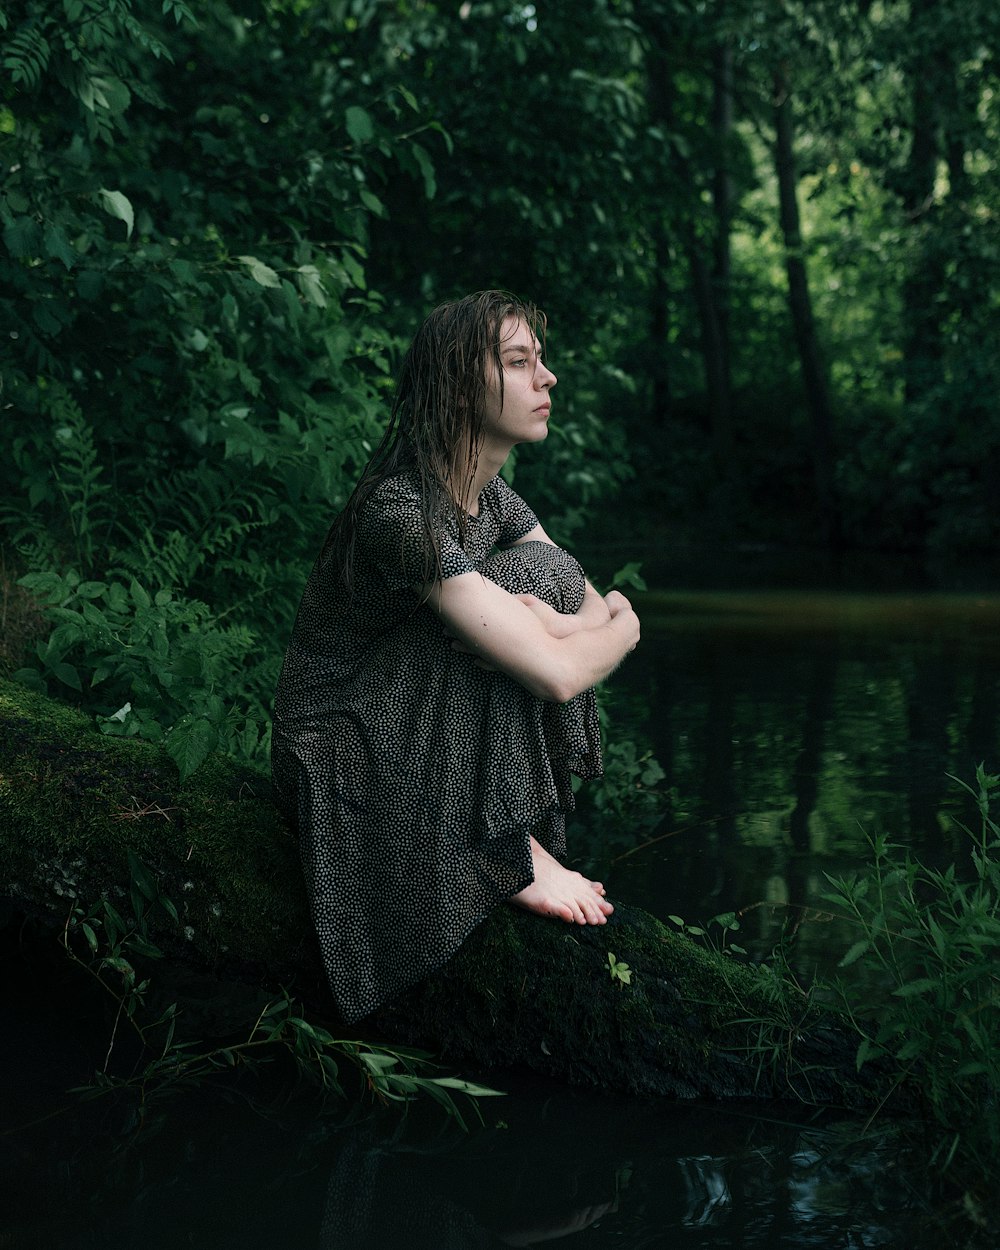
[{"x": 521, "y": 415}]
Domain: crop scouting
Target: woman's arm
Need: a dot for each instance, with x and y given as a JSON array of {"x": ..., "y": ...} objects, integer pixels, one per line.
[{"x": 507, "y": 634}]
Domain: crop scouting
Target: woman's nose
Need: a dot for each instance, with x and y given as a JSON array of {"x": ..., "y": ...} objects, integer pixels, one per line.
[{"x": 544, "y": 377}]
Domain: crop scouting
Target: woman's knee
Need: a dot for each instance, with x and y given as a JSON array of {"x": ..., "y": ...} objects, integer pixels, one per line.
[{"x": 539, "y": 569}]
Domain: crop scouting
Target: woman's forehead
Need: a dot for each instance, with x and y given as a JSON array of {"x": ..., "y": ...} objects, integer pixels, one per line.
[{"x": 515, "y": 332}]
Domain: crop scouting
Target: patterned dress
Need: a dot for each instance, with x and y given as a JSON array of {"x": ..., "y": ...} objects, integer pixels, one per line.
[{"x": 411, "y": 776}]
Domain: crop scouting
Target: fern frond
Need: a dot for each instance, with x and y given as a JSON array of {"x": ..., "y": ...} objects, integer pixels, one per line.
[
  {"x": 78, "y": 475},
  {"x": 28, "y": 54}
]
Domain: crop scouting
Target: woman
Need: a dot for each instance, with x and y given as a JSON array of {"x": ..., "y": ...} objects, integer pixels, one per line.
[{"x": 436, "y": 694}]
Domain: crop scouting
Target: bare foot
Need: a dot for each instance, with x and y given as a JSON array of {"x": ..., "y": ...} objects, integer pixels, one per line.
[
  {"x": 537, "y": 849},
  {"x": 558, "y": 891}
]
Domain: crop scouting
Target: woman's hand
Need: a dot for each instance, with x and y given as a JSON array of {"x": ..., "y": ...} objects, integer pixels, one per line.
[
  {"x": 557, "y": 624},
  {"x": 619, "y": 606}
]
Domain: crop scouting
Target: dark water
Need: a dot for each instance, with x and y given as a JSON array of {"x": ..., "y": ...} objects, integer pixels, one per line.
[
  {"x": 793, "y": 727},
  {"x": 789, "y": 725}
]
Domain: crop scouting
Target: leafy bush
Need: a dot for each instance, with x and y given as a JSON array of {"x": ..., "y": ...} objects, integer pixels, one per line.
[{"x": 928, "y": 944}]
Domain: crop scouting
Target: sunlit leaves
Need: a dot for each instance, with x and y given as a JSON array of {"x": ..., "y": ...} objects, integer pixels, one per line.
[{"x": 118, "y": 205}]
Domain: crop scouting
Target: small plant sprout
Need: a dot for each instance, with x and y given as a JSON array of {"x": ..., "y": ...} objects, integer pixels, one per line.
[{"x": 619, "y": 970}]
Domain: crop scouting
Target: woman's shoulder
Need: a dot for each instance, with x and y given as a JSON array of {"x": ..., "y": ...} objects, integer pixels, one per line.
[
  {"x": 501, "y": 495},
  {"x": 399, "y": 490},
  {"x": 513, "y": 516}
]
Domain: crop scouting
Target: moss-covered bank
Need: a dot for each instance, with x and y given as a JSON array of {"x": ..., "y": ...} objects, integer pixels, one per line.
[
  {"x": 522, "y": 991},
  {"x": 73, "y": 802}
]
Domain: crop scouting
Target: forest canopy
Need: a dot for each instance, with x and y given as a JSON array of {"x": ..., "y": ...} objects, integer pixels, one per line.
[{"x": 765, "y": 232}]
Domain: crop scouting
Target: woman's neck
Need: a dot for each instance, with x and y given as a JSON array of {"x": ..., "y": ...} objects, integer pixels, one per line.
[{"x": 472, "y": 480}]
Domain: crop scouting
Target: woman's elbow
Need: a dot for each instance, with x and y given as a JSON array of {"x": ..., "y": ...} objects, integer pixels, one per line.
[{"x": 554, "y": 689}]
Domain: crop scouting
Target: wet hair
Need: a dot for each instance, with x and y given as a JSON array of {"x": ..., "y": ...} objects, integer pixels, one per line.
[{"x": 436, "y": 422}]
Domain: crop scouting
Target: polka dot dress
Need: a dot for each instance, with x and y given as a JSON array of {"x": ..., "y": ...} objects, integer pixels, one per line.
[{"x": 412, "y": 777}]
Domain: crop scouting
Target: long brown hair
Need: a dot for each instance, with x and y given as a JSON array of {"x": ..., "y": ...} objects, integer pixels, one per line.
[{"x": 437, "y": 413}]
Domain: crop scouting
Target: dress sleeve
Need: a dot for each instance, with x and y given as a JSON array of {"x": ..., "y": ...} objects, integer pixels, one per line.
[
  {"x": 391, "y": 537},
  {"x": 516, "y": 518}
]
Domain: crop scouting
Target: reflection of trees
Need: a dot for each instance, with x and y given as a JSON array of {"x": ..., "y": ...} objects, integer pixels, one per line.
[
  {"x": 984, "y": 715},
  {"x": 631, "y": 1175},
  {"x": 787, "y": 748},
  {"x": 807, "y": 768},
  {"x": 931, "y": 686}
]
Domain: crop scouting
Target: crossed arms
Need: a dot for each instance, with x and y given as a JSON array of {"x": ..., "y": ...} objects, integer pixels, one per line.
[{"x": 552, "y": 655}]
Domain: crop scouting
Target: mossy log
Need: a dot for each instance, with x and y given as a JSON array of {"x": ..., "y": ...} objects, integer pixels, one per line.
[{"x": 522, "y": 992}]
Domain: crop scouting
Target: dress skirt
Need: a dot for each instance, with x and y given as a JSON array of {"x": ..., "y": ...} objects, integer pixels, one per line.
[{"x": 413, "y": 796}]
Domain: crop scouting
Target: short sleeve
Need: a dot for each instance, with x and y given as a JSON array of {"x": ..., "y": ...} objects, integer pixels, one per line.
[
  {"x": 391, "y": 537},
  {"x": 516, "y": 518}
]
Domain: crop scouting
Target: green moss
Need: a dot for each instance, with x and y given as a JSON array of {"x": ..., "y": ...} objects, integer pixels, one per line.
[{"x": 74, "y": 802}]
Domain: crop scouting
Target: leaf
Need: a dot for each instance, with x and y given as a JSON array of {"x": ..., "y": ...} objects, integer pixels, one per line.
[
  {"x": 145, "y": 947},
  {"x": 142, "y": 876},
  {"x": 372, "y": 203},
  {"x": 262, "y": 274},
  {"x": 113, "y": 923},
  {"x": 189, "y": 743},
  {"x": 855, "y": 953},
  {"x": 119, "y": 206},
  {"x": 58, "y": 246},
  {"x": 140, "y": 597},
  {"x": 90, "y": 935},
  {"x": 426, "y": 169},
  {"x": 359, "y": 124},
  {"x": 311, "y": 285},
  {"x": 924, "y": 986},
  {"x": 377, "y": 1063},
  {"x": 355, "y": 270},
  {"x": 22, "y": 237},
  {"x": 629, "y": 575},
  {"x": 467, "y": 1087},
  {"x": 67, "y": 674}
]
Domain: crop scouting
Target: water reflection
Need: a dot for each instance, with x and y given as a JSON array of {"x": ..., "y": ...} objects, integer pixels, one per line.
[
  {"x": 580, "y": 1170},
  {"x": 792, "y": 726}
]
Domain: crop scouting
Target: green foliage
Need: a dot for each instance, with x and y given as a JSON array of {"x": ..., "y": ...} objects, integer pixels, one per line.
[
  {"x": 927, "y": 949},
  {"x": 113, "y": 944},
  {"x": 715, "y": 933},
  {"x": 620, "y": 972},
  {"x": 216, "y": 235},
  {"x": 154, "y": 666}
]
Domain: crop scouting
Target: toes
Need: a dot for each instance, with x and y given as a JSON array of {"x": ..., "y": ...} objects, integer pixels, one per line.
[{"x": 592, "y": 912}]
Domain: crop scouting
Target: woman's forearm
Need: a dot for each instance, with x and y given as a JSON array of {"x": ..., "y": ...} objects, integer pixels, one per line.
[{"x": 580, "y": 660}]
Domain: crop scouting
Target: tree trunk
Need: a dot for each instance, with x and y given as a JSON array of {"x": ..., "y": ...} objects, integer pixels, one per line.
[
  {"x": 704, "y": 285},
  {"x": 722, "y": 201},
  {"x": 922, "y": 348},
  {"x": 523, "y": 991},
  {"x": 803, "y": 322}
]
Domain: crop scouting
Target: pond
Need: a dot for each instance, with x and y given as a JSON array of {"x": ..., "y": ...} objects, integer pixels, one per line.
[
  {"x": 791, "y": 725},
  {"x": 795, "y": 726}
]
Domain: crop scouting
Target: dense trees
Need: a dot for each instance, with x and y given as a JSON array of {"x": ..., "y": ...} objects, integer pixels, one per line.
[{"x": 765, "y": 231}]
